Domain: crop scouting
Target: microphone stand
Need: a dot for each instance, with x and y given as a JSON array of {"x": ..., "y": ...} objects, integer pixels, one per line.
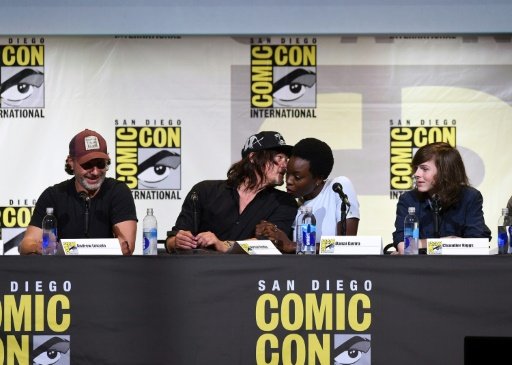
[
  {"x": 195, "y": 217},
  {"x": 85, "y": 197},
  {"x": 435, "y": 209},
  {"x": 342, "y": 224},
  {"x": 86, "y": 217}
]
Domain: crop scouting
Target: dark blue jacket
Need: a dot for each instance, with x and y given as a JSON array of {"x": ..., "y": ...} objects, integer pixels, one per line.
[{"x": 464, "y": 219}]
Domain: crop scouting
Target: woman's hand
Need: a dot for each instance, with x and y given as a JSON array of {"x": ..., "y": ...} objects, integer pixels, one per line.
[{"x": 268, "y": 230}]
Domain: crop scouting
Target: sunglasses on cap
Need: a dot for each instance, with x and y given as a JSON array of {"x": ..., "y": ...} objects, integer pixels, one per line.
[{"x": 97, "y": 162}]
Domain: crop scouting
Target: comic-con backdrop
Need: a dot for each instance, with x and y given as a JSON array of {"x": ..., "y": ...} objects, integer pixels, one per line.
[{"x": 177, "y": 110}]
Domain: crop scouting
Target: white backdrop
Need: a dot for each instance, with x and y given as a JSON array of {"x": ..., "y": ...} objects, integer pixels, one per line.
[{"x": 199, "y": 90}]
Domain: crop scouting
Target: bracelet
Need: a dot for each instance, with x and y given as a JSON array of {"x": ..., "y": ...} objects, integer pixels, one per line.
[{"x": 228, "y": 244}]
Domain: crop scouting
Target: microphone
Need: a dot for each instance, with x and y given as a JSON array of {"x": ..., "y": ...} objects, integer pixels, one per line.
[
  {"x": 436, "y": 207},
  {"x": 341, "y": 226},
  {"x": 195, "y": 217},
  {"x": 85, "y": 197},
  {"x": 337, "y": 188},
  {"x": 87, "y": 200},
  {"x": 435, "y": 203}
]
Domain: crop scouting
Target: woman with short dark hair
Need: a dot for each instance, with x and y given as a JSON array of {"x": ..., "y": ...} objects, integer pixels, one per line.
[{"x": 307, "y": 179}]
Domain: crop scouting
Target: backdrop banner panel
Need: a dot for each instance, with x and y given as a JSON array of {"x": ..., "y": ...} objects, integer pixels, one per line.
[{"x": 176, "y": 110}]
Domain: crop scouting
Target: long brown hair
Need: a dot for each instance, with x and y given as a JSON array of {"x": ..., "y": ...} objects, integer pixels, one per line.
[
  {"x": 451, "y": 175},
  {"x": 250, "y": 169}
]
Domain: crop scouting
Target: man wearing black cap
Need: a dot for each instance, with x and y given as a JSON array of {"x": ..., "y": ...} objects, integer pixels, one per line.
[
  {"x": 109, "y": 203},
  {"x": 217, "y": 212}
]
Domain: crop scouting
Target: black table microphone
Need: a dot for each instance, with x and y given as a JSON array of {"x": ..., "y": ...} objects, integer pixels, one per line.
[{"x": 339, "y": 189}]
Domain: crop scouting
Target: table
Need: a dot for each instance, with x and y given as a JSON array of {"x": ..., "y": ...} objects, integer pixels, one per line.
[{"x": 238, "y": 309}]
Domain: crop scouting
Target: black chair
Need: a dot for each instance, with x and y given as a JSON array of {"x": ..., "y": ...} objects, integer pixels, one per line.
[
  {"x": 389, "y": 248},
  {"x": 161, "y": 247}
]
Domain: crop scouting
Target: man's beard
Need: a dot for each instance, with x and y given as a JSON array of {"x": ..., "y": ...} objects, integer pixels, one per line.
[
  {"x": 279, "y": 181},
  {"x": 276, "y": 181},
  {"x": 91, "y": 187}
]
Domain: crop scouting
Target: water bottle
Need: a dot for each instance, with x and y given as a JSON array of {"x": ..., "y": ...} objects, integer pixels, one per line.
[
  {"x": 411, "y": 232},
  {"x": 504, "y": 232},
  {"x": 308, "y": 232},
  {"x": 149, "y": 234},
  {"x": 297, "y": 231},
  {"x": 509, "y": 237},
  {"x": 49, "y": 226}
]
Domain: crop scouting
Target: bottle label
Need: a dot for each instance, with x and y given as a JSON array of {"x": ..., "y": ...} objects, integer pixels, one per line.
[
  {"x": 149, "y": 241},
  {"x": 509, "y": 236},
  {"x": 411, "y": 238},
  {"x": 503, "y": 239},
  {"x": 408, "y": 234},
  {"x": 308, "y": 235},
  {"x": 411, "y": 232},
  {"x": 49, "y": 244}
]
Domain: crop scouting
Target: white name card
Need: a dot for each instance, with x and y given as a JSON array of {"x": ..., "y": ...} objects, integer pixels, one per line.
[
  {"x": 458, "y": 246},
  {"x": 257, "y": 247},
  {"x": 91, "y": 246},
  {"x": 350, "y": 245},
  {"x": 1, "y": 247}
]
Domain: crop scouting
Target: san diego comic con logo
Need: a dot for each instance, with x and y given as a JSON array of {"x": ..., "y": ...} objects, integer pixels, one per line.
[
  {"x": 14, "y": 221},
  {"x": 148, "y": 159},
  {"x": 405, "y": 139},
  {"x": 328, "y": 323},
  {"x": 22, "y": 78},
  {"x": 36, "y": 317},
  {"x": 283, "y": 77}
]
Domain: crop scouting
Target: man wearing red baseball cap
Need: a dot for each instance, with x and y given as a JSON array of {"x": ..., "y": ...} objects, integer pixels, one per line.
[{"x": 108, "y": 202}]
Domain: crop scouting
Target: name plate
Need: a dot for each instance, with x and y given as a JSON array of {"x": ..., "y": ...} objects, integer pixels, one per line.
[
  {"x": 91, "y": 246},
  {"x": 255, "y": 247},
  {"x": 458, "y": 246},
  {"x": 350, "y": 245},
  {"x": 1, "y": 247}
]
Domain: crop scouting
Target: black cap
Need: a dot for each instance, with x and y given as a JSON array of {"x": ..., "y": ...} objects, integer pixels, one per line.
[{"x": 266, "y": 140}]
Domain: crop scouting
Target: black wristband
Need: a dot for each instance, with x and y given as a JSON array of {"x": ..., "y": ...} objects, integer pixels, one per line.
[{"x": 169, "y": 235}]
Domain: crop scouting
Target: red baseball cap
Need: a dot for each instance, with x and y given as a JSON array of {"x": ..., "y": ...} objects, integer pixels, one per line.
[{"x": 88, "y": 145}]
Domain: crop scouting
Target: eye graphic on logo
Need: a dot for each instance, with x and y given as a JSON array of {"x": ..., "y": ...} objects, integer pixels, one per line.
[
  {"x": 157, "y": 168},
  {"x": 293, "y": 86},
  {"x": 50, "y": 351},
  {"x": 351, "y": 350},
  {"x": 21, "y": 86}
]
